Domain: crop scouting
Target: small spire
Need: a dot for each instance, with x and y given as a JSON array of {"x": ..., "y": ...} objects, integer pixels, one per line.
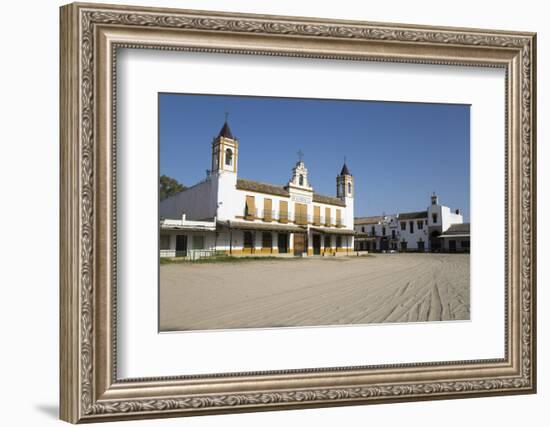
[
  {"x": 345, "y": 170},
  {"x": 225, "y": 131}
]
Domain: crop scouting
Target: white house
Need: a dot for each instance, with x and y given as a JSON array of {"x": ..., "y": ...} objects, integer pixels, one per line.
[
  {"x": 376, "y": 233},
  {"x": 413, "y": 231},
  {"x": 238, "y": 216},
  {"x": 181, "y": 237},
  {"x": 440, "y": 218},
  {"x": 428, "y": 230}
]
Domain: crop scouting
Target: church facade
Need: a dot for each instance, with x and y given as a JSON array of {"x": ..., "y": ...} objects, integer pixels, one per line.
[{"x": 235, "y": 216}]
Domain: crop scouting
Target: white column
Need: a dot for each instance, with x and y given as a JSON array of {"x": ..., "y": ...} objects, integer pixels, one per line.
[{"x": 274, "y": 247}]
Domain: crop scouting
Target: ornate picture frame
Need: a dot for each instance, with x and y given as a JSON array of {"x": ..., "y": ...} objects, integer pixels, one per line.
[{"x": 90, "y": 37}]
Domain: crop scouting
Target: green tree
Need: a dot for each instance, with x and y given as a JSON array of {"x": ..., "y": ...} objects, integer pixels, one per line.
[{"x": 169, "y": 187}]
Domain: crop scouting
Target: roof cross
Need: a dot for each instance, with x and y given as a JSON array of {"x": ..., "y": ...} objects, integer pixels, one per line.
[{"x": 300, "y": 155}]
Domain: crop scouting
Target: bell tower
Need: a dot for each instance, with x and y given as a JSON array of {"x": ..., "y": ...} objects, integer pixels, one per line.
[
  {"x": 344, "y": 184},
  {"x": 344, "y": 191},
  {"x": 223, "y": 175},
  {"x": 299, "y": 179},
  {"x": 225, "y": 151}
]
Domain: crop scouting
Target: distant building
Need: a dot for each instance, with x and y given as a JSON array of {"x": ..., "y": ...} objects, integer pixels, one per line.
[
  {"x": 456, "y": 238},
  {"x": 435, "y": 229},
  {"x": 413, "y": 231},
  {"x": 232, "y": 215},
  {"x": 376, "y": 233}
]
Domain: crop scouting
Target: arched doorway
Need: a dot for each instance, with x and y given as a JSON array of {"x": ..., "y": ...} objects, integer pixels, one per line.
[{"x": 435, "y": 241}]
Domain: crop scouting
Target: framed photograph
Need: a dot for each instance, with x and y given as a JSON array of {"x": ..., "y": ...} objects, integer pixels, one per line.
[{"x": 266, "y": 212}]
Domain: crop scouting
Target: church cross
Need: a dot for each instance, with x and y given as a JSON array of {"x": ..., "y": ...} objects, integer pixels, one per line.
[{"x": 300, "y": 155}]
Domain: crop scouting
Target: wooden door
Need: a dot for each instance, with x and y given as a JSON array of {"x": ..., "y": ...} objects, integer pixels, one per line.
[{"x": 299, "y": 243}]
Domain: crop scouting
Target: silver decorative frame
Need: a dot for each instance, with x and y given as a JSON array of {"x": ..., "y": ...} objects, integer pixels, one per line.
[{"x": 90, "y": 35}]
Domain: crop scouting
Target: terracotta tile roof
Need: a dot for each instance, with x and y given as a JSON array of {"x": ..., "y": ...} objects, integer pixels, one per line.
[
  {"x": 413, "y": 215},
  {"x": 279, "y": 190},
  {"x": 319, "y": 198},
  {"x": 368, "y": 220},
  {"x": 260, "y": 187},
  {"x": 459, "y": 229}
]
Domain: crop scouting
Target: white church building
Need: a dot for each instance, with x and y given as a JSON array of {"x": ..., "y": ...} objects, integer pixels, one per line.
[{"x": 236, "y": 216}]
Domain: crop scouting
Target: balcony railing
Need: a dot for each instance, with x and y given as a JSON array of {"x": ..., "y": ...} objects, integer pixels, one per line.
[
  {"x": 284, "y": 217},
  {"x": 191, "y": 254},
  {"x": 250, "y": 214},
  {"x": 388, "y": 235},
  {"x": 267, "y": 215},
  {"x": 301, "y": 219}
]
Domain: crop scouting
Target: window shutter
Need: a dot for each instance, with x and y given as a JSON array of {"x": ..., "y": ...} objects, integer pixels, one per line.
[
  {"x": 327, "y": 217},
  {"x": 267, "y": 209},
  {"x": 283, "y": 211},
  {"x": 300, "y": 213},
  {"x": 338, "y": 217},
  {"x": 317, "y": 215},
  {"x": 250, "y": 207}
]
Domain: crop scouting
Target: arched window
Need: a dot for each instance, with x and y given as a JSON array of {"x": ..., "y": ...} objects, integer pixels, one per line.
[
  {"x": 301, "y": 180},
  {"x": 349, "y": 187},
  {"x": 228, "y": 157}
]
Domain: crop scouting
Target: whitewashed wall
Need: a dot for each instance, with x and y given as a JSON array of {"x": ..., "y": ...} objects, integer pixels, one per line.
[
  {"x": 449, "y": 218},
  {"x": 226, "y": 195},
  {"x": 417, "y": 234},
  {"x": 197, "y": 202},
  {"x": 231, "y": 204}
]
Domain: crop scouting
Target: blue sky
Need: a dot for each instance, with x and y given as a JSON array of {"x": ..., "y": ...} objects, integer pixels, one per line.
[{"x": 398, "y": 153}]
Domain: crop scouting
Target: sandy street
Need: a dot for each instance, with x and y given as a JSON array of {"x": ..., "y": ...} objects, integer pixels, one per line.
[{"x": 309, "y": 292}]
